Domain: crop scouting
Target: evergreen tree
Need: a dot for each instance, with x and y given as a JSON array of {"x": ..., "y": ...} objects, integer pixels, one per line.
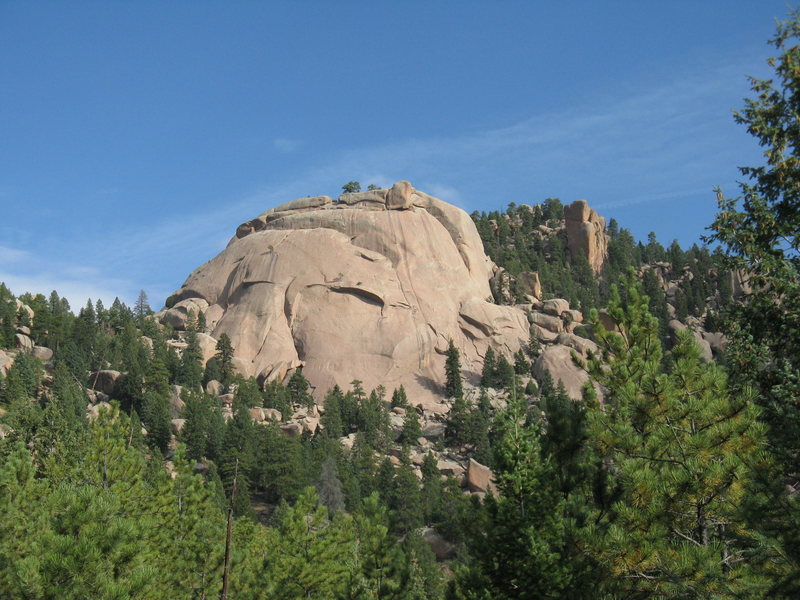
[
  {"x": 412, "y": 430},
  {"x": 452, "y": 369},
  {"x": 519, "y": 551},
  {"x": 331, "y": 419},
  {"x": 141, "y": 309},
  {"x": 399, "y": 398},
  {"x": 329, "y": 487},
  {"x": 190, "y": 373},
  {"x": 759, "y": 234},
  {"x": 298, "y": 389},
  {"x": 679, "y": 441},
  {"x": 489, "y": 369},
  {"x": 225, "y": 359}
]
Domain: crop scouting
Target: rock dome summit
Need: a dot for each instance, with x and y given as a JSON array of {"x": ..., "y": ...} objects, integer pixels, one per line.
[{"x": 369, "y": 286}]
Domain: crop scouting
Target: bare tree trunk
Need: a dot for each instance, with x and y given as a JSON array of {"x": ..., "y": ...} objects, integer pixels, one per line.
[{"x": 227, "y": 569}]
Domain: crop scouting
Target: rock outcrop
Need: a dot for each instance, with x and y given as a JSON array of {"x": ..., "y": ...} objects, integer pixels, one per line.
[
  {"x": 586, "y": 233},
  {"x": 370, "y": 286}
]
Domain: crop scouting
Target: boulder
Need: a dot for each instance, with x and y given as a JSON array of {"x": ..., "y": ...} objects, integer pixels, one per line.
[
  {"x": 177, "y": 425},
  {"x": 21, "y": 306},
  {"x": 716, "y": 340},
  {"x": 607, "y": 321},
  {"x": 442, "y": 549},
  {"x": 272, "y": 414},
  {"x": 557, "y": 360},
  {"x": 371, "y": 287},
  {"x": 24, "y": 330},
  {"x": 582, "y": 345},
  {"x": 480, "y": 477},
  {"x": 178, "y": 315},
  {"x": 706, "y": 354},
  {"x": 292, "y": 429},
  {"x": 433, "y": 430},
  {"x": 368, "y": 200},
  {"x": 146, "y": 342},
  {"x": 399, "y": 196},
  {"x": 348, "y": 441},
  {"x": 555, "y": 307},
  {"x": 586, "y": 234},
  {"x": 450, "y": 467},
  {"x": 548, "y": 322},
  {"x": 93, "y": 410},
  {"x": 176, "y": 403},
  {"x": 675, "y": 326},
  {"x": 105, "y": 381},
  {"x": 5, "y": 362},
  {"x": 214, "y": 388},
  {"x": 24, "y": 343},
  {"x": 310, "y": 424},
  {"x": 529, "y": 284},
  {"x": 208, "y": 347},
  {"x": 542, "y": 334},
  {"x": 226, "y": 399},
  {"x": 257, "y": 414}
]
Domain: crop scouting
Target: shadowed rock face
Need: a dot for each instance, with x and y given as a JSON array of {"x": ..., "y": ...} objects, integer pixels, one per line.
[{"x": 371, "y": 286}]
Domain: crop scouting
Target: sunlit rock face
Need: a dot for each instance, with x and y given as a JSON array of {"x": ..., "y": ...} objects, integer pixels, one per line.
[{"x": 371, "y": 286}]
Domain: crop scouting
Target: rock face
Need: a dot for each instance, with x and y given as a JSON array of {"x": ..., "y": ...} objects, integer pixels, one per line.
[
  {"x": 370, "y": 286},
  {"x": 586, "y": 233}
]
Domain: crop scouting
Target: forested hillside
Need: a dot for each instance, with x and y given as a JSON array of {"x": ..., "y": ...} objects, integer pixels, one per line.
[{"x": 137, "y": 462}]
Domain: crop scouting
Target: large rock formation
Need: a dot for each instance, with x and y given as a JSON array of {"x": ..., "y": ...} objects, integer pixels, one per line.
[
  {"x": 370, "y": 286},
  {"x": 586, "y": 233}
]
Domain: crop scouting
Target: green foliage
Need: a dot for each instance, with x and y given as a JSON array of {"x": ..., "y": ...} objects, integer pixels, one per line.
[
  {"x": 224, "y": 360},
  {"x": 412, "y": 430},
  {"x": 759, "y": 234},
  {"x": 519, "y": 550},
  {"x": 680, "y": 443},
  {"x": 452, "y": 369},
  {"x": 298, "y": 389},
  {"x": 190, "y": 373},
  {"x": 351, "y": 187}
]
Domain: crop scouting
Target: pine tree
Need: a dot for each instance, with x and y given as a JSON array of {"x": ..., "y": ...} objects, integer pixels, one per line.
[
  {"x": 489, "y": 369},
  {"x": 412, "y": 430},
  {"x": 329, "y": 486},
  {"x": 679, "y": 441},
  {"x": 452, "y": 369},
  {"x": 519, "y": 551},
  {"x": 225, "y": 359},
  {"x": 331, "y": 419},
  {"x": 141, "y": 308},
  {"x": 191, "y": 367},
  {"x": 308, "y": 554},
  {"x": 399, "y": 398},
  {"x": 298, "y": 389}
]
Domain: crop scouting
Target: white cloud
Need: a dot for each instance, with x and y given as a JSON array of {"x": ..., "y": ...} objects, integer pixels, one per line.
[
  {"x": 12, "y": 255},
  {"x": 654, "y": 146},
  {"x": 76, "y": 291}
]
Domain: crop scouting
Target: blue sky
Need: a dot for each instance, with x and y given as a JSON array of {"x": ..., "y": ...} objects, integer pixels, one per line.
[{"x": 136, "y": 136}]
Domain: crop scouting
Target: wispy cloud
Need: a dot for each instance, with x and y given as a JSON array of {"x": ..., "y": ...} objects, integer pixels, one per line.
[
  {"x": 647, "y": 147},
  {"x": 76, "y": 290},
  {"x": 12, "y": 255},
  {"x": 287, "y": 145}
]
